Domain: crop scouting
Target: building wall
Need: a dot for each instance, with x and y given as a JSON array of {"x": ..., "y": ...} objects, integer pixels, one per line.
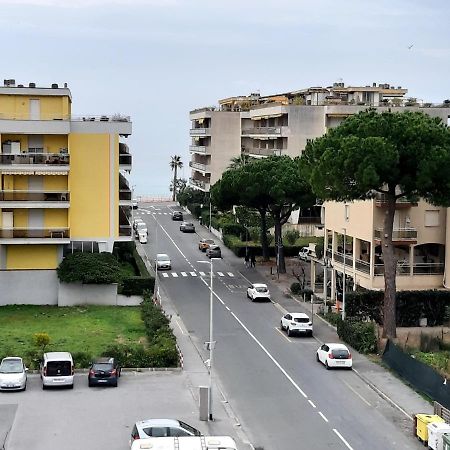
[
  {"x": 19, "y": 257},
  {"x": 89, "y": 185},
  {"x": 18, "y": 106},
  {"x": 54, "y": 142},
  {"x": 56, "y": 218}
]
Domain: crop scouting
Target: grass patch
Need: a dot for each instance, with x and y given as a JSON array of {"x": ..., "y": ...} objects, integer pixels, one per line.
[
  {"x": 80, "y": 329},
  {"x": 438, "y": 360}
]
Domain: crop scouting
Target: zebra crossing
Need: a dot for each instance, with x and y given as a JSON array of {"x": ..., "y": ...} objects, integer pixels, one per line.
[
  {"x": 194, "y": 274},
  {"x": 141, "y": 212}
]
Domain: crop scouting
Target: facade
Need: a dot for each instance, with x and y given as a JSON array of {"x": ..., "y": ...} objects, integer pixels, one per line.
[{"x": 63, "y": 184}]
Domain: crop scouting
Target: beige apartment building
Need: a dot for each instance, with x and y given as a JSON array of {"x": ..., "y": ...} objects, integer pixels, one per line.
[{"x": 282, "y": 124}]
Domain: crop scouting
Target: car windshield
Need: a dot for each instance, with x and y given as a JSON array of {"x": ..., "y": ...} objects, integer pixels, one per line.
[
  {"x": 163, "y": 257},
  {"x": 340, "y": 353},
  {"x": 11, "y": 366},
  {"x": 301, "y": 319},
  {"x": 141, "y": 225},
  {"x": 102, "y": 366},
  {"x": 261, "y": 289},
  {"x": 208, "y": 241}
]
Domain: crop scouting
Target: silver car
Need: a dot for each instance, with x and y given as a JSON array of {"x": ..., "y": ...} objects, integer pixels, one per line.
[
  {"x": 13, "y": 374},
  {"x": 162, "y": 428},
  {"x": 163, "y": 261},
  {"x": 187, "y": 227}
]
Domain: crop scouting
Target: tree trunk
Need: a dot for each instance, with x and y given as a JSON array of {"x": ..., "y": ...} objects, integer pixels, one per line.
[
  {"x": 264, "y": 241},
  {"x": 174, "y": 192},
  {"x": 279, "y": 244},
  {"x": 390, "y": 269}
]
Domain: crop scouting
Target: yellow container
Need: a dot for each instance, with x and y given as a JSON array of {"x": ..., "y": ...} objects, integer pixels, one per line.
[{"x": 422, "y": 421}]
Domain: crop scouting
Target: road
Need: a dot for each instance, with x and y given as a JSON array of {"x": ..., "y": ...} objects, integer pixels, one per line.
[{"x": 282, "y": 396}]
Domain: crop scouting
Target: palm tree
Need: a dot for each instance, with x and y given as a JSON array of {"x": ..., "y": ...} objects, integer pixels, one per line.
[
  {"x": 175, "y": 164},
  {"x": 240, "y": 161}
]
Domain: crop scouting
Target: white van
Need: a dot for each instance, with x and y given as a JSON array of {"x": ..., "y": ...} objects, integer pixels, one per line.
[
  {"x": 57, "y": 369},
  {"x": 186, "y": 443}
]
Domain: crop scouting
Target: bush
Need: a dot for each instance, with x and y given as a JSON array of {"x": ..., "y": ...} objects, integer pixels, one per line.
[
  {"x": 360, "y": 335},
  {"x": 156, "y": 323},
  {"x": 296, "y": 288},
  {"x": 89, "y": 268},
  {"x": 82, "y": 360},
  {"x": 332, "y": 318},
  {"x": 235, "y": 229},
  {"x": 291, "y": 236},
  {"x": 41, "y": 340},
  {"x": 255, "y": 234},
  {"x": 136, "y": 285}
]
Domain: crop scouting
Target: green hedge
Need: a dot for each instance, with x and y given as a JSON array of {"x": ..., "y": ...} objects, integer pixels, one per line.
[
  {"x": 238, "y": 247},
  {"x": 360, "y": 335},
  {"x": 136, "y": 285},
  {"x": 411, "y": 306}
]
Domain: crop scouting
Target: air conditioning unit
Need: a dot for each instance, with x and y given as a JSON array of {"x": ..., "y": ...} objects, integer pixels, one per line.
[{"x": 32, "y": 85}]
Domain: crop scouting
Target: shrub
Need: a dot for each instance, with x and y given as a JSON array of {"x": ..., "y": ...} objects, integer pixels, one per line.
[
  {"x": 254, "y": 233},
  {"x": 291, "y": 236},
  {"x": 89, "y": 268},
  {"x": 360, "y": 335},
  {"x": 82, "y": 360},
  {"x": 332, "y": 318},
  {"x": 296, "y": 288},
  {"x": 235, "y": 229},
  {"x": 136, "y": 285},
  {"x": 41, "y": 340}
]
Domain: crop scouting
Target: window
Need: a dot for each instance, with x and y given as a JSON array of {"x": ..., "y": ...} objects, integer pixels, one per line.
[
  {"x": 432, "y": 218},
  {"x": 59, "y": 368}
]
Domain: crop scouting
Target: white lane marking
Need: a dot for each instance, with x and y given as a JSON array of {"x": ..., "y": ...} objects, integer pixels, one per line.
[
  {"x": 173, "y": 242},
  {"x": 165, "y": 275},
  {"x": 230, "y": 274},
  {"x": 165, "y": 214},
  {"x": 174, "y": 274},
  {"x": 228, "y": 308},
  {"x": 323, "y": 417},
  {"x": 179, "y": 326},
  {"x": 282, "y": 334},
  {"x": 193, "y": 274},
  {"x": 202, "y": 274},
  {"x": 220, "y": 274},
  {"x": 358, "y": 394},
  {"x": 183, "y": 274},
  {"x": 312, "y": 404},
  {"x": 342, "y": 439}
]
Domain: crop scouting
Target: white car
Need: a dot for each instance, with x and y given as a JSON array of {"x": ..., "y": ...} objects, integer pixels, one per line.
[
  {"x": 163, "y": 261},
  {"x": 334, "y": 355},
  {"x": 296, "y": 323},
  {"x": 13, "y": 374},
  {"x": 142, "y": 237},
  {"x": 258, "y": 291},
  {"x": 305, "y": 253},
  {"x": 141, "y": 227},
  {"x": 161, "y": 428},
  {"x": 136, "y": 221}
]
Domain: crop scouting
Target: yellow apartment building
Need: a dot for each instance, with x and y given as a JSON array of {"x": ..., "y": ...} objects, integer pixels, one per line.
[{"x": 63, "y": 185}]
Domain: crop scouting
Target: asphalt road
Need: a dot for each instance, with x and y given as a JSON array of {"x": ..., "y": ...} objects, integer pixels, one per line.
[{"x": 282, "y": 396}]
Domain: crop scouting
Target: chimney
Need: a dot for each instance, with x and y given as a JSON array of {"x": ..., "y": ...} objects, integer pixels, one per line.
[
  {"x": 32, "y": 85},
  {"x": 55, "y": 86},
  {"x": 9, "y": 83},
  {"x": 65, "y": 85},
  {"x": 374, "y": 84}
]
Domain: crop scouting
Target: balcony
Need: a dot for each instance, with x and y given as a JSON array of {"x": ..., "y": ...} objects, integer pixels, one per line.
[
  {"x": 34, "y": 199},
  {"x": 339, "y": 257},
  {"x": 362, "y": 266},
  {"x": 262, "y": 152},
  {"x": 60, "y": 235},
  {"x": 276, "y": 131},
  {"x": 125, "y": 159},
  {"x": 199, "y": 184},
  {"x": 200, "y": 131},
  {"x": 125, "y": 195},
  {"x": 38, "y": 163},
  {"x": 200, "y": 149},
  {"x": 398, "y": 234},
  {"x": 402, "y": 202},
  {"x": 199, "y": 166}
]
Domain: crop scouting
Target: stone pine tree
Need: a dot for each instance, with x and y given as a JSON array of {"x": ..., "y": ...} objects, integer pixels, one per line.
[
  {"x": 175, "y": 164},
  {"x": 402, "y": 154}
]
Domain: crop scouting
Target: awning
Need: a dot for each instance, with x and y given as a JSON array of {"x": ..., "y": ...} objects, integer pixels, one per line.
[
  {"x": 31, "y": 172},
  {"x": 271, "y": 116},
  {"x": 200, "y": 121}
]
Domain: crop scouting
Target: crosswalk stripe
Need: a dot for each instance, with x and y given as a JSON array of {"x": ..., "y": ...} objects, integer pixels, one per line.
[
  {"x": 220, "y": 274},
  {"x": 193, "y": 274},
  {"x": 174, "y": 274},
  {"x": 184, "y": 274},
  {"x": 202, "y": 274},
  {"x": 165, "y": 275},
  {"x": 230, "y": 274}
]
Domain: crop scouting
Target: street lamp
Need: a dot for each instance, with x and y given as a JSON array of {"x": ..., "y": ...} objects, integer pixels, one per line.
[
  {"x": 211, "y": 342},
  {"x": 343, "y": 276},
  {"x": 156, "y": 262}
]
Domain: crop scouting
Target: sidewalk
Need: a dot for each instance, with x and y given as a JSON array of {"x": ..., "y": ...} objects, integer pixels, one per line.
[{"x": 386, "y": 384}]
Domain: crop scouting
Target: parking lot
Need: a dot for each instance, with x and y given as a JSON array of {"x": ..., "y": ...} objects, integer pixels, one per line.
[{"x": 94, "y": 418}]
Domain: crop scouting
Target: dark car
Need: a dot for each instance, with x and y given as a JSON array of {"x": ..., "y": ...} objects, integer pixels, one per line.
[
  {"x": 187, "y": 227},
  {"x": 177, "y": 215},
  {"x": 214, "y": 251},
  {"x": 104, "y": 371}
]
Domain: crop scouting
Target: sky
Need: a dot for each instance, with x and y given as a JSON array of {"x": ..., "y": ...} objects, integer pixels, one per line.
[{"x": 156, "y": 60}]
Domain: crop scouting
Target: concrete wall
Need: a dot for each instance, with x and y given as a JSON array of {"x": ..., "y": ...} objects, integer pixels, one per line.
[
  {"x": 28, "y": 287},
  {"x": 70, "y": 294}
]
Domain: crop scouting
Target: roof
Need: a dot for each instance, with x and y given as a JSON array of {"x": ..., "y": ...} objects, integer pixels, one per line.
[
  {"x": 336, "y": 345},
  {"x": 58, "y": 356},
  {"x": 259, "y": 285},
  {"x": 12, "y": 358},
  {"x": 159, "y": 422},
  {"x": 186, "y": 443},
  {"x": 162, "y": 255},
  {"x": 298, "y": 315}
]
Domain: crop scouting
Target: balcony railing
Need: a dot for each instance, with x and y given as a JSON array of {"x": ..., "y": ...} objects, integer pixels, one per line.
[
  {"x": 263, "y": 151},
  {"x": 125, "y": 230},
  {"x": 34, "y": 196},
  {"x": 35, "y": 158},
  {"x": 199, "y": 149},
  {"x": 199, "y": 131},
  {"x": 398, "y": 234},
  {"x": 428, "y": 268},
  {"x": 339, "y": 257},
  {"x": 204, "y": 185},
  {"x": 125, "y": 159},
  {"x": 85, "y": 118},
  {"x": 125, "y": 194},
  {"x": 199, "y": 166},
  {"x": 30, "y": 233},
  {"x": 362, "y": 266},
  {"x": 381, "y": 200},
  {"x": 262, "y": 130}
]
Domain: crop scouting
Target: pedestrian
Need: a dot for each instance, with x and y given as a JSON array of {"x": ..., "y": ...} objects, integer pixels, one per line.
[
  {"x": 247, "y": 259},
  {"x": 253, "y": 260}
]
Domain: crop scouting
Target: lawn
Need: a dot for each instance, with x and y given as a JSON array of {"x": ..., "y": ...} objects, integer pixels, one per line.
[{"x": 87, "y": 329}]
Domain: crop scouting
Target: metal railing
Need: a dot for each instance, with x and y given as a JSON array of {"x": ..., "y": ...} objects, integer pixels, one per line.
[
  {"x": 262, "y": 130},
  {"x": 125, "y": 230},
  {"x": 263, "y": 151},
  {"x": 68, "y": 117},
  {"x": 124, "y": 194},
  {"x": 198, "y": 149},
  {"x": 339, "y": 257},
  {"x": 61, "y": 159},
  {"x": 362, "y": 266},
  {"x": 199, "y": 183},
  {"x": 381, "y": 199},
  {"x": 199, "y": 131},
  {"x": 125, "y": 159},
  {"x": 398, "y": 234},
  {"x": 199, "y": 166},
  {"x": 30, "y": 233},
  {"x": 428, "y": 268},
  {"x": 34, "y": 196}
]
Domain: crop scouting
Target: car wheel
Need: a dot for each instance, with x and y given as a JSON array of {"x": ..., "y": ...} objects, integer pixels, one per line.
[
  {"x": 289, "y": 332},
  {"x": 25, "y": 387},
  {"x": 71, "y": 386},
  {"x": 248, "y": 296},
  {"x": 317, "y": 358},
  {"x": 311, "y": 334},
  {"x": 115, "y": 384},
  {"x": 281, "y": 326},
  {"x": 44, "y": 387},
  {"x": 327, "y": 366}
]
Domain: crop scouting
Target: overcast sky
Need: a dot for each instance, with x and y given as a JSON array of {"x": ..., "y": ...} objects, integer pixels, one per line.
[{"x": 157, "y": 59}]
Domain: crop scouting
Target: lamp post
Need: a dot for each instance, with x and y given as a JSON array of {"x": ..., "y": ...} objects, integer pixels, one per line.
[
  {"x": 343, "y": 276},
  {"x": 156, "y": 262},
  {"x": 211, "y": 342}
]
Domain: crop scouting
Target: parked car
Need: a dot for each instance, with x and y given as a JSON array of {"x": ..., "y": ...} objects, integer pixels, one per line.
[
  {"x": 298, "y": 323},
  {"x": 141, "y": 227},
  {"x": 163, "y": 261},
  {"x": 142, "y": 237},
  {"x": 187, "y": 227},
  {"x": 185, "y": 443},
  {"x": 177, "y": 215},
  {"x": 204, "y": 244},
  {"x": 134, "y": 204},
  {"x": 214, "y": 251},
  {"x": 57, "y": 369},
  {"x": 13, "y": 374},
  {"x": 104, "y": 371},
  {"x": 334, "y": 355},
  {"x": 258, "y": 291},
  {"x": 136, "y": 221},
  {"x": 305, "y": 253},
  {"x": 161, "y": 428}
]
